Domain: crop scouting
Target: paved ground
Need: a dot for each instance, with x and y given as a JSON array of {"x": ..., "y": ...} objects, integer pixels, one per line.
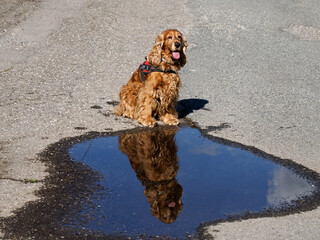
[{"x": 255, "y": 62}]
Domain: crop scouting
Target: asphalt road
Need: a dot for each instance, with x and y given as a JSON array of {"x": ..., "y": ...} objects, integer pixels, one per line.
[{"x": 255, "y": 62}]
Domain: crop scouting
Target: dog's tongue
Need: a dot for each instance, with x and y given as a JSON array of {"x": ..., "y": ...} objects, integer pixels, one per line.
[
  {"x": 172, "y": 205},
  {"x": 176, "y": 55}
]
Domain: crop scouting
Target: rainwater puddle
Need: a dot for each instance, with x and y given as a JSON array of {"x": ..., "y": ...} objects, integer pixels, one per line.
[{"x": 167, "y": 181}]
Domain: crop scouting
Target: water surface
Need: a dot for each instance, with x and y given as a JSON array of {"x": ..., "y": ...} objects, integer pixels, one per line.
[{"x": 167, "y": 181}]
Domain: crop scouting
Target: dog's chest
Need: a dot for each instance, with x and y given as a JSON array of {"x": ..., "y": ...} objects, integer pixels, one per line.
[{"x": 168, "y": 85}]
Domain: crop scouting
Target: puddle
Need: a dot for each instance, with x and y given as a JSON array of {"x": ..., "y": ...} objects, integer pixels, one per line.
[
  {"x": 167, "y": 181},
  {"x": 160, "y": 183}
]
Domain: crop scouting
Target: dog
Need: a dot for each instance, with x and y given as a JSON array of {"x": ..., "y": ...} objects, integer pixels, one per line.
[
  {"x": 152, "y": 91},
  {"x": 153, "y": 157}
]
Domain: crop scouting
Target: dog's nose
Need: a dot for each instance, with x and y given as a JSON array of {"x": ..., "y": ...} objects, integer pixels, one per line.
[{"x": 177, "y": 44}]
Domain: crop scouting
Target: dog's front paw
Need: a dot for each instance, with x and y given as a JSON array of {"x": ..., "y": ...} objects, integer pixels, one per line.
[
  {"x": 148, "y": 122},
  {"x": 170, "y": 119},
  {"x": 174, "y": 122}
]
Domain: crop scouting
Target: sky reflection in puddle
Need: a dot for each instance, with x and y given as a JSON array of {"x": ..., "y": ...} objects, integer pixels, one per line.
[{"x": 167, "y": 181}]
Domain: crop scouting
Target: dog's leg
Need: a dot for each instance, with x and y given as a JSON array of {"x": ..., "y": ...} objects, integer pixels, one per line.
[
  {"x": 170, "y": 117},
  {"x": 144, "y": 108}
]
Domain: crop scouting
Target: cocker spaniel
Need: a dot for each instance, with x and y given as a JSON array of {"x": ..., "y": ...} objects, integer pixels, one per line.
[{"x": 152, "y": 91}]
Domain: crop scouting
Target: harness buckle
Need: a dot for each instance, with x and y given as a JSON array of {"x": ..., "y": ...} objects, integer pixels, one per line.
[{"x": 145, "y": 68}]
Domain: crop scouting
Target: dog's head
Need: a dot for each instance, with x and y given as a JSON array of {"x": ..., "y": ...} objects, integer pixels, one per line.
[{"x": 170, "y": 47}]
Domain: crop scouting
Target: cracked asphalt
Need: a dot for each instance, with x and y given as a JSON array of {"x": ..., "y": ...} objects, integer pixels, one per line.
[{"x": 255, "y": 65}]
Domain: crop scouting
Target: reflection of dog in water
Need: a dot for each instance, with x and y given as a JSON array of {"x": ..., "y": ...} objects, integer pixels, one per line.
[{"x": 153, "y": 156}]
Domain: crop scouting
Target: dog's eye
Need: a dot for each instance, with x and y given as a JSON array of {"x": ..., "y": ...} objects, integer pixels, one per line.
[
  {"x": 179, "y": 37},
  {"x": 169, "y": 37}
]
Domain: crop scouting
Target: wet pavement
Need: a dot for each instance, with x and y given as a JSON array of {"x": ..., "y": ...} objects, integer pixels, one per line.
[{"x": 166, "y": 182}]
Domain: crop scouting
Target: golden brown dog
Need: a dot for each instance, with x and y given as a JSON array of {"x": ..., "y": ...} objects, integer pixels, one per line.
[
  {"x": 153, "y": 94},
  {"x": 153, "y": 156}
]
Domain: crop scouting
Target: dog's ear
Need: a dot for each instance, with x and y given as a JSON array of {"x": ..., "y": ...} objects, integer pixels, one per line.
[
  {"x": 154, "y": 56},
  {"x": 183, "y": 58}
]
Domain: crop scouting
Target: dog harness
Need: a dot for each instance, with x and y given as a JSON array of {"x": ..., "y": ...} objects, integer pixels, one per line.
[{"x": 146, "y": 68}]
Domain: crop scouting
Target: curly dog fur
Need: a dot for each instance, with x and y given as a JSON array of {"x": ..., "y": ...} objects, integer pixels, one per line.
[
  {"x": 157, "y": 96},
  {"x": 153, "y": 156}
]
